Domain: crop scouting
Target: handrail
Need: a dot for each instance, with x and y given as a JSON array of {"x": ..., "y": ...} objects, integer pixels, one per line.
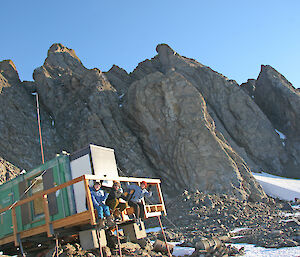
[
  {"x": 85, "y": 178},
  {"x": 44, "y": 192},
  {"x": 124, "y": 179},
  {"x": 79, "y": 179}
]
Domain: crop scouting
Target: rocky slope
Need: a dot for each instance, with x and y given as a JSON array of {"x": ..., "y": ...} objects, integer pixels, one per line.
[
  {"x": 271, "y": 223},
  {"x": 172, "y": 117}
]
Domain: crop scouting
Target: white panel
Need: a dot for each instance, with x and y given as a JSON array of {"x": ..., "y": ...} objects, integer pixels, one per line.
[
  {"x": 104, "y": 162},
  {"x": 80, "y": 167}
]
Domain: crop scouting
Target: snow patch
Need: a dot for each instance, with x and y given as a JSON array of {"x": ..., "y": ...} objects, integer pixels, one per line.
[
  {"x": 253, "y": 251},
  {"x": 275, "y": 186},
  {"x": 236, "y": 230},
  {"x": 282, "y": 136},
  {"x": 181, "y": 251},
  {"x": 156, "y": 229}
]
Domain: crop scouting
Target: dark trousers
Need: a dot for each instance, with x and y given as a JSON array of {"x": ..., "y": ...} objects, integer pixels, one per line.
[
  {"x": 115, "y": 203},
  {"x": 138, "y": 209}
]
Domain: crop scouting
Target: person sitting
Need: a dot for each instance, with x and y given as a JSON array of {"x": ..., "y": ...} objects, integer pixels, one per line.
[
  {"x": 99, "y": 196},
  {"x": 113, "y": 200},
  {"x": 135, "y": 199}
]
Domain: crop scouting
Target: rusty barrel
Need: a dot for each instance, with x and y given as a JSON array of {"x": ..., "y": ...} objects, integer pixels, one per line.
[
  {"x": 209, "y": 245},
  {"x": 160, "y": 246}
]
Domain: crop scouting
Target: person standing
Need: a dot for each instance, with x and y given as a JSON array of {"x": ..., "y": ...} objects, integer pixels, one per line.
[{"x": 135, "y": 199}]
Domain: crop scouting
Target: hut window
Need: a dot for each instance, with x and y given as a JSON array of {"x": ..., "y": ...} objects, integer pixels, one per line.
[{"x": 38, "y": 202}]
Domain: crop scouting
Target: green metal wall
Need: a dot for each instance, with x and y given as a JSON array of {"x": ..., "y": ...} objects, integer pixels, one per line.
[{"x": 10, "y": 192}]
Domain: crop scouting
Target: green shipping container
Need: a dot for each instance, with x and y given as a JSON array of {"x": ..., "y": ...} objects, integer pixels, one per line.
[{"x": 29, "y": 215}]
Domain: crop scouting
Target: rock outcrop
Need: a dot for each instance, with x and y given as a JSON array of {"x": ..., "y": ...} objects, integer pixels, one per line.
[
  {"x": 85, "y": 108},
  {"x": 7, "y": 171},
  {"x": 19, "y": 143},
  {"x": 172, "y": 117},
  {"x": 239, "y": 118},
  {"x": 280, "y": 102}
]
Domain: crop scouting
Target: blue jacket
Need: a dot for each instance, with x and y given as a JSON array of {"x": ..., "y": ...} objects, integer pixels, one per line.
[
  {"x": 138, "y": 193},
  {"x": 98, "y": 197}
]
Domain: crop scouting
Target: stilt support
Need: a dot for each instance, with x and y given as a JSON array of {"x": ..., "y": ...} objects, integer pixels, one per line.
[
  {"x": 21, "y": 246},
  {"x": 163, "y": 232},
  {"x": 56, "y": 246},
  {"x": 99, "y": 241},
  {"x": 119, "y": 243}
]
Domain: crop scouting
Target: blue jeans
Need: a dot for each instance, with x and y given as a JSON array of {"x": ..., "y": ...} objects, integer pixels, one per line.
[{"x": 102, "y": 209}]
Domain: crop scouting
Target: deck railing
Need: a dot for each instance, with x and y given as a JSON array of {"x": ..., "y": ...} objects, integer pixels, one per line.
[{"x": 78, "y": 218}]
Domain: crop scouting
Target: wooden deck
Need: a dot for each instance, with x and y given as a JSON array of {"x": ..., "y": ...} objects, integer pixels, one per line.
[{"x": 86, "y": 218}]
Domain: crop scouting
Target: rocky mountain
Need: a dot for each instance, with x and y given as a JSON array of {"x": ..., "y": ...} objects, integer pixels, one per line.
[
  {"x": 279, "y": 101},
  {"x": 172, "y": 118}
]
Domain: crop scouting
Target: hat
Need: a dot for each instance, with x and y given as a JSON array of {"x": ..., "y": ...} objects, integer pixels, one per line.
[
  {"x": 144, "y": 182},
  {"x": 117, "y": 183}
]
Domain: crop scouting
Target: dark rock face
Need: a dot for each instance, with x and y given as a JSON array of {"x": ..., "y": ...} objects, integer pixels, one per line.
[
  {"x": 237, "y": 117},
  {"x": 280, "y": 102},
  {"x": 178, "y": 135},
  {"x": 86, "y": 109},
  {"x": 172, "y": 117},
  {"x": 19, "y": 142}
]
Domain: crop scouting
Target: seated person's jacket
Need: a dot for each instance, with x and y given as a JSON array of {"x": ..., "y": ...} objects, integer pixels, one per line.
[
  {"x": 138, "y": 194},
  {"x": 98, "y": 197},
  {"x": 116, "y": 194}
]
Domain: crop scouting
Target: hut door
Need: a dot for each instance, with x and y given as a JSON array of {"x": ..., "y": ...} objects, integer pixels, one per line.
[
  {"x": 48, "y": 182},
  {"x": 25, "y": 208}
]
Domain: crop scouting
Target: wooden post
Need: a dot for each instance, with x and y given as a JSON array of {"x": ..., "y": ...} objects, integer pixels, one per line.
[
  {"x": 56, "y": 246},
  {"x": 99, "y": 241},
  {"x": 89, "y": 202},
  {"x": 161, "y": 199},
  {"x": 47, "y": 215},
  {"x": 119, "y": 243},
  {"x": 162, "y": 229},
  {"x": 15, "y": 225}
]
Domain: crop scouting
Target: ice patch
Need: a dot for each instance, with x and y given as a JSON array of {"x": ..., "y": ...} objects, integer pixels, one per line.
[
  {"x": 181, "y": 251},
  {"x": 236, "y": 230},
  {"x": 156, "y": 229},
  {"x": 282, "y": 136}
]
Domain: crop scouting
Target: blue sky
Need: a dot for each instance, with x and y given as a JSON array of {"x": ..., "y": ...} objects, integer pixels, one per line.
[{"x": 232, "y": 37}]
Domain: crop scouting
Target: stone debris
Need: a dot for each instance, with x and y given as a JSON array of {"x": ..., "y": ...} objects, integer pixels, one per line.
[{"x": 200, "y": 216}]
